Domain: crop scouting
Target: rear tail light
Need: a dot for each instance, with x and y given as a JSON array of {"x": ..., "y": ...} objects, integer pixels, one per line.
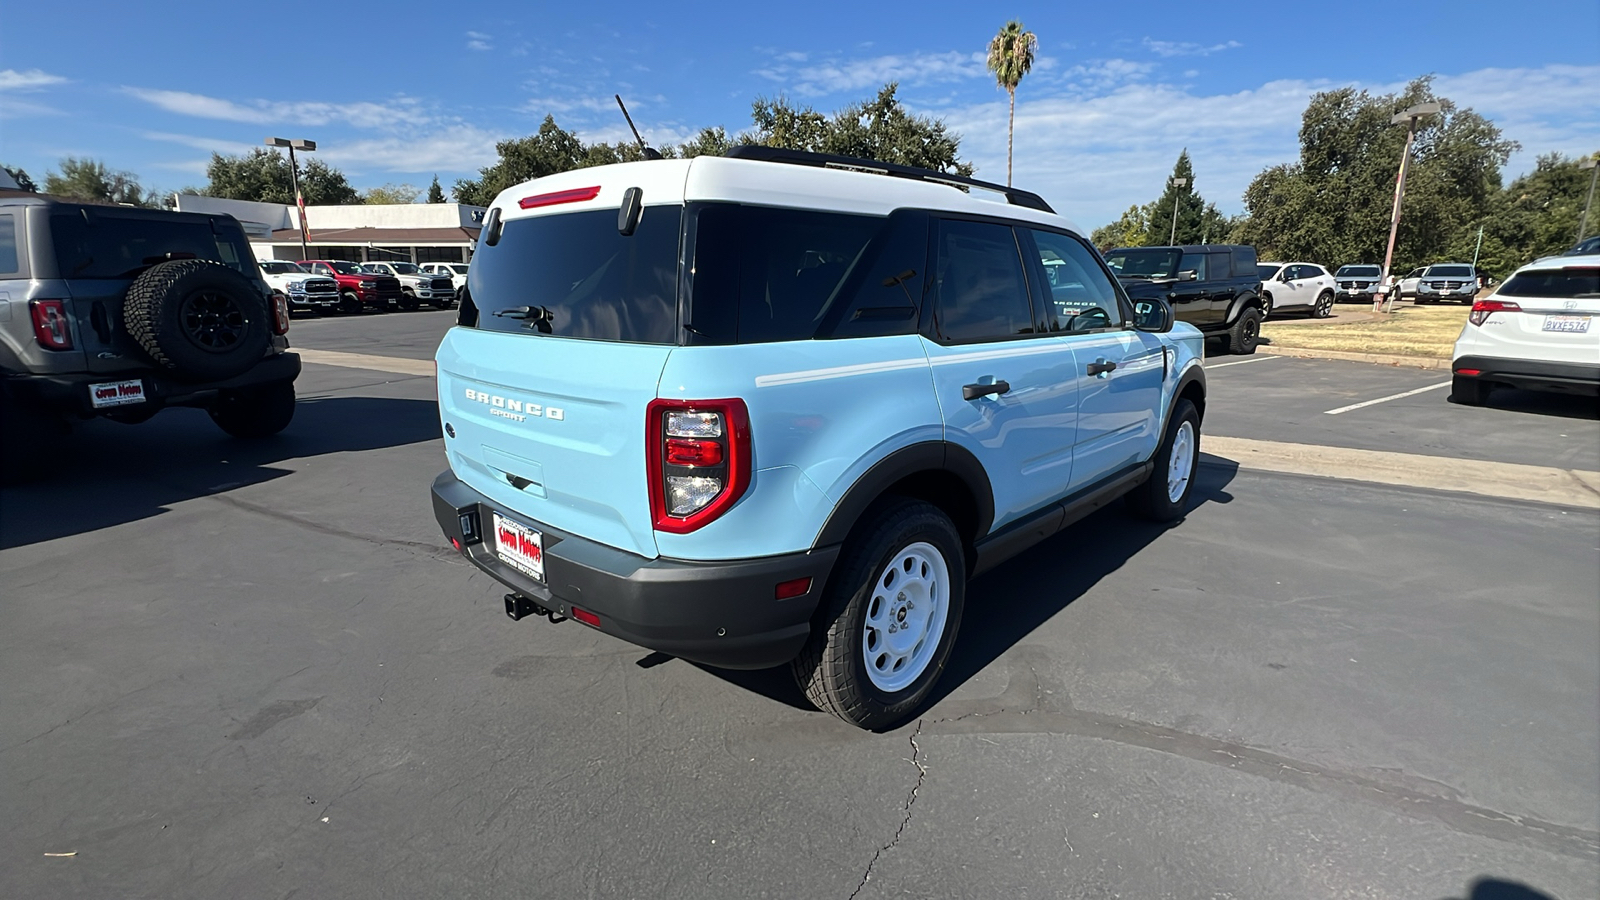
[
  {"x": 1482, "y": 308},
  {"x": 50, "y": 326},
  {"x": 280, "y": 314},
  {"x": 698, "y": 454}
]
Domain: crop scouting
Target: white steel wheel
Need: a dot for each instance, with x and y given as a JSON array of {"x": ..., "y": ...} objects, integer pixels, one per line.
[
  {"x": 905, "y": 617},
  {"x": 1180, "y": 465}
]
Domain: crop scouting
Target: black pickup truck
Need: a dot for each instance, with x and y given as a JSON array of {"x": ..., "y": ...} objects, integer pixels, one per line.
[{"x": 1214, "y": 287}]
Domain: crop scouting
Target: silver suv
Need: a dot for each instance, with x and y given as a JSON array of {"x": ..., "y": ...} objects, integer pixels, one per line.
[{"x": 116, "y": 312}]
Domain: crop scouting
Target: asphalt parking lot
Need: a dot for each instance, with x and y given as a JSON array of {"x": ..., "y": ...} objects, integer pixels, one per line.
[{"x": 257, "y": 671}]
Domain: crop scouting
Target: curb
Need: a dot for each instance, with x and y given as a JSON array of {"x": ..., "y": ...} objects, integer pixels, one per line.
[{"x": 1382, "y": 359}]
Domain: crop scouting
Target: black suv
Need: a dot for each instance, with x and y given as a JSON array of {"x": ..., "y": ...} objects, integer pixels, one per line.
[
  {"x": 1214, "y": 287},
  {"x": 120, "y": 312}
]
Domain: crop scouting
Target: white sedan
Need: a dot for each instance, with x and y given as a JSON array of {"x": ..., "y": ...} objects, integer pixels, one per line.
[
  {"x": 1299, "y": 287},
  {"x": 1538, "y": 331}
]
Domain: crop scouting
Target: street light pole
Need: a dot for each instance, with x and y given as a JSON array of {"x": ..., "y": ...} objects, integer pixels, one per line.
[
  {"x": 294, "y": 176},
  {"x": 1593, "y": 164},
  {"x": 1178, "y": 183},
  {"x": 1407, "y": 117}
]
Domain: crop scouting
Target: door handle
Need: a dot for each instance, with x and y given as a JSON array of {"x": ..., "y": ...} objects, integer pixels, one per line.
[
  {"x": 974, "y": 391},
  {"x": 1101, "y": 366}
]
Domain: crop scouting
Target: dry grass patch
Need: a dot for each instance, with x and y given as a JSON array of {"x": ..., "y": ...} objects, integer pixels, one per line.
[{"x": 1429, "y": 331}]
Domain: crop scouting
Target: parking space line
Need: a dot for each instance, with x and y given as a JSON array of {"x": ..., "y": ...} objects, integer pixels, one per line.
[
  {"x": 1239, "y": 362},
  {"x": 398, "y": 365},
  {"x": 1366, "y": 403}
]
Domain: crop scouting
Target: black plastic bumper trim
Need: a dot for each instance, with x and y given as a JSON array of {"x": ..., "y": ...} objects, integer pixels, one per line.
[
  {"x": 1576, "y": 378},
  {"x": 70, "y": 393}
]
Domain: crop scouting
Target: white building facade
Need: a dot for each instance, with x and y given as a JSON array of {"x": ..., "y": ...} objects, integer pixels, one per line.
[{"x": 414, "y": 232}]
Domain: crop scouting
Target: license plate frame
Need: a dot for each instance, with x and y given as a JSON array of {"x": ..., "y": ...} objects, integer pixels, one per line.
[
  {"x": 518, "y": 546},
  {"x": 117, "y": 393},
  {"x": 1566, "y": 324}
]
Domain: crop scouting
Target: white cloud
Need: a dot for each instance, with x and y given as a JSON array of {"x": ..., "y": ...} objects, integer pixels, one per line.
[
  {"x": 1184, "y": 48},
  {"x": 462, "y": 148},
  {"x": 31, "y": 80},
  {"x": 211, "y": 145},
  {"x": 835, "y": 76},
  {"x": 401, "y": 111}
]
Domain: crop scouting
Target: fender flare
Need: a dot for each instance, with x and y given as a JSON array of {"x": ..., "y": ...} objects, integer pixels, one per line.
[
  {"x": 1239, "y": 303},
  {"x": 1194, "y": 375},
  {"x": 927, "y": 456}
]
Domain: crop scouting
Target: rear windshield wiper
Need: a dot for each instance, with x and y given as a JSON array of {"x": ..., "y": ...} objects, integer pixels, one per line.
[{"x": 536, "y": 313}]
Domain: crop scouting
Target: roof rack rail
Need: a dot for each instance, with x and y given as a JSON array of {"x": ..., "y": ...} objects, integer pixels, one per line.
[{"x": 1013, "y": 196}]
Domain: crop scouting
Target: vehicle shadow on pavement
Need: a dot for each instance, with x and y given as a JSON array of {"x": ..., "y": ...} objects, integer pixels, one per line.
[
  {"x": 1540, "y": 403},
  {"x": 1495, "y": 889},
  {"x": 1007, "y": 603},
  {"x": 108, "y": 474}
]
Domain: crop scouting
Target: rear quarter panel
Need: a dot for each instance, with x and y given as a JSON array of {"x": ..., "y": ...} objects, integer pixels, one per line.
[{"x": 821, "y": 414}]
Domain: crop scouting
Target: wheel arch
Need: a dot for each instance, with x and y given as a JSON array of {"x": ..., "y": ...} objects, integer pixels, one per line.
[
  {"x": 941, "y": 473},
  {"x": 1245, "y": 300},
  {"x": 1191, "y": 387}
]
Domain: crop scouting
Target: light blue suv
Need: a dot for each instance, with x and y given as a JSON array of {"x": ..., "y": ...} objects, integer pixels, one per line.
[{"x": 776, "y": 408}]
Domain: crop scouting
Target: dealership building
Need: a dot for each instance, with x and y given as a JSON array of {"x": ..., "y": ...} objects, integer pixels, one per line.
[{"x": 415, "y": 232}]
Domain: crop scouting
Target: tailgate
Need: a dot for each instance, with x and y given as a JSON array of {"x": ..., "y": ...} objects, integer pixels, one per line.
[{"x": 552, "y": 429}]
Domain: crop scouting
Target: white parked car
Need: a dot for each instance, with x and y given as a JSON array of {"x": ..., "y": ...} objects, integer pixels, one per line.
[
  {"x": 1407, "y": 286},
  {"x": 1357, "y": 282},
  {"x": 416, "y": 286},
  {"x": 1296, "y": 287},
  {"x": 1448, "y": 281},
  {"x": 301, "y": 288},
  {"x": 1539, "y": 331},
  {"x": 456, "y": 272}
]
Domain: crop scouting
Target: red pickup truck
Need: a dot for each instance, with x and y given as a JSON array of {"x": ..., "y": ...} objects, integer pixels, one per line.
[{"x": 357, "y": 289}]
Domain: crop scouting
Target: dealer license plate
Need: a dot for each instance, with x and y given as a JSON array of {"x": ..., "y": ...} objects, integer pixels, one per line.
[
  {"x": 519, "y": 546},
  {"x": 1570, "y": 324},
  {"x": 116, "y": 393}
]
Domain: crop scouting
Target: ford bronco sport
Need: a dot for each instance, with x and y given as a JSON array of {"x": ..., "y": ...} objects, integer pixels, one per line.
[
  {"x": 777, "y": 407},
  {"x": 1214, "y": 287},
  {"x": 118, "y": 312}
]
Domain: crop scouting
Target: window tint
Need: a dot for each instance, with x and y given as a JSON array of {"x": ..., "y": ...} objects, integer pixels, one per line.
[
  {"x": 1196, "y": 263},
  {"x": 765, "y": 274},
  {"x": 1359, "y": 272},
  {"x": 1266, "y": 273},
  {"x": 1080, "y": 296},
  {"x": 1221, "y": 265},
  {"x": 1244, "y": 259},
  {"x": 574, "y": 275},
  {"x": 118, "y": 247},
  {"x": 1449, "y": 272},
  {"x": 9, "y": 263},
  {"x": 1144, "y": 264},
  {"x": 1570, "y": 283},
  {"x": 979, "y": 290}
]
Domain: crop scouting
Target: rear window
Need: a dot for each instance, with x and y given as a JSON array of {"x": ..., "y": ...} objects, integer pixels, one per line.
[
  {"x": 118, "y": 247},
  {"x": 1573, "y": 283},
  {"x": 1145, "y": 264},
  {"x": 573, "y": 275}
]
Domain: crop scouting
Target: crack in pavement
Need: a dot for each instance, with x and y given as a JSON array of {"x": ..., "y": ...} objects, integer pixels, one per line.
[
  {"x": 911, "y": 800},
  {"x": 435, "y": 550}
]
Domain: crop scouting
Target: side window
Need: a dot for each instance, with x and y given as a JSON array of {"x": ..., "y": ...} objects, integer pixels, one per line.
[
  {"x": 1196, "y": 263},
  {"x": 1079, "y": 297},
  {"x": 1244, "y": 261},
  {"x": 9, "y": 261},
  {"x": 979, "y": 290},
  {"x": 1298, "y": 272},
  {"x": 1221, "y": 266}
]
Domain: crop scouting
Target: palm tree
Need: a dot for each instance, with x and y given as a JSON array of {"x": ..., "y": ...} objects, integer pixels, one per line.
[{"x": 1010, "y": 57}]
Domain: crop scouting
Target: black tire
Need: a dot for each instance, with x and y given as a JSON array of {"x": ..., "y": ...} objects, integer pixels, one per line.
[
  {"x": 349, "y": 303},
  {"x": 1153, "y": 499},
  {"x": 1246, "y": 332},
  {"x": 832, "y": 667},
  {"x": 1469, "y": 391},
  {"x": 198, "y": 319},
  {"x": 1266, "y": 307},
  {"x": 409, "y": 301},
  {"x": 1324, "y": 307},
  {"x": 255, "y": 412}
]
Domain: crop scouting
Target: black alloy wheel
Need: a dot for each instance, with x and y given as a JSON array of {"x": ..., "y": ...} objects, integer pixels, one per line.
[{"x": 213, "y": 321}]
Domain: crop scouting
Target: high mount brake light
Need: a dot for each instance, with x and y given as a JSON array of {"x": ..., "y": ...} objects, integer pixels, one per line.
[
  {"x": 574, "y": 195},
  {"x": 50, "y": 326},
  {"x": 694, "y": 480},
  {"x": 1483, "y": 308}
]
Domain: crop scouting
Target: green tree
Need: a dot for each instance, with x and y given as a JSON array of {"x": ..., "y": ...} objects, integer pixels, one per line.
[
  {"x": 390, "y": 194},
  {"x": 879, "y": 129},
  {"x": 1151, "y": 224},
  {"x": 92, "y": 180},
  {"x": 263, "y": 175},
  {"x": 552, "y": 149},
  {"x": 1132, "y": 230},
  {"x": 1537, "y": 215},
  {"x": 435, "y": 192},
  {"x": 709, "y": 142},
  {"x": 1011, "y": 55},
  {"x": 1334, "y": 204},
  {"x": 22, "y": 179}
]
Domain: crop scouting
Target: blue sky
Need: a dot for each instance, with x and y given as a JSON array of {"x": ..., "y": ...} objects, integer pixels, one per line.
[{"x": 398, "y": 91}]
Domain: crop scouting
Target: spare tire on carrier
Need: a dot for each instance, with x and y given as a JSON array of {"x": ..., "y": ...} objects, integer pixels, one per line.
[{"x": 198, "y": 319}]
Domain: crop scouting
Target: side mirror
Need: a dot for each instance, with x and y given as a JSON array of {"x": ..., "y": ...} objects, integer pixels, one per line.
[
  {"x": 1154, "y": 316},
  {"x": 1188, "y": 275}
]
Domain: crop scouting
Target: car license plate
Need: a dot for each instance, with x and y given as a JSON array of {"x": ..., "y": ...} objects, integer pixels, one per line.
[
  {"x": 1570, "y": 324},
  {"x": 519, "y": 546},
  {"x": 116, "y": 393}
]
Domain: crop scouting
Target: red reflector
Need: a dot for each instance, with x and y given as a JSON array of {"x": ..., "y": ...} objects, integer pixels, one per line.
[
  {"x": 788, "y": 590},
  {"x": 456, "y": 544},
  {"x": 574, "y": 195},
  {"x": 1469, "y": 371},
  {"x": 686, "y": 452},
  {"x": 586, "y": 617}
]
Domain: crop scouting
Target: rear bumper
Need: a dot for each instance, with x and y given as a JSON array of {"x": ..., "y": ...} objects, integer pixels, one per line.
[
  {"x": 1533, "y": 375},
  {"x": 69, "y": 394},
  {"x": 717, "y": 613}
]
